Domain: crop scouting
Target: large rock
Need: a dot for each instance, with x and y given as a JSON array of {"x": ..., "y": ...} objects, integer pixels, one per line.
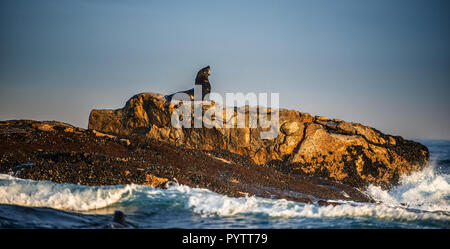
[
  {"x": 334, "y": 149},
  {"x": 59, "y": 152}
]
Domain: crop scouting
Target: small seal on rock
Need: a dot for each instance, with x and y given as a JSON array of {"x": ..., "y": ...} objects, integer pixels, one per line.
[{"x": 202, "y": 80}]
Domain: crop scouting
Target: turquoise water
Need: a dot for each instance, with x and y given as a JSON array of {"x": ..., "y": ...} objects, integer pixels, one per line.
[{"x": 422, "y": 200}]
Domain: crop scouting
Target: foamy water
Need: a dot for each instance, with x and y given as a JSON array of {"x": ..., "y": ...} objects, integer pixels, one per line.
[
  {"x": 67, "y": 197},
  {"x": 425, "y": 190}
]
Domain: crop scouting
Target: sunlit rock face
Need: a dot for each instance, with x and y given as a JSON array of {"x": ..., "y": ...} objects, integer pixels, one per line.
[{"x": 317, "y": 146}]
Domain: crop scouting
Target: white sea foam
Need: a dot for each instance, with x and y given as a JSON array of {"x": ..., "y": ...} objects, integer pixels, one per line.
[
  {"x": 207, "y": 203},
  {"x": 422, "y": 195},
  {"x": 71, "y": 197},
  {"x": 425, "y": 190},
  {"x": 213, "y": 204}
]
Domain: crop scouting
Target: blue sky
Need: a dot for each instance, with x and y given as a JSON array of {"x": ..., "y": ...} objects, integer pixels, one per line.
[{"x": 380, "y": 63}]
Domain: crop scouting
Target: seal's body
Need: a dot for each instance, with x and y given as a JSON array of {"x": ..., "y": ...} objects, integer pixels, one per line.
[{"x": 201, "y": 80}]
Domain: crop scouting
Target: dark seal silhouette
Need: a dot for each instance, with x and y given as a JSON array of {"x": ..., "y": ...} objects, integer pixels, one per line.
[
  {"x": 201, "y": 80},
  {"x": 118, "y": 220}
]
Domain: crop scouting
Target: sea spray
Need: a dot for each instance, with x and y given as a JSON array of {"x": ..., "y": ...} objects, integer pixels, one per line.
[
  {"x": 425, "y": 190},
  {"x": 71, "y": 197}
]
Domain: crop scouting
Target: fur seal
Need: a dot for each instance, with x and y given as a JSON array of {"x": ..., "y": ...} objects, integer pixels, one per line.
[
  {"x": 202, "y": 80},
  {"x": 118, "y": 220}
]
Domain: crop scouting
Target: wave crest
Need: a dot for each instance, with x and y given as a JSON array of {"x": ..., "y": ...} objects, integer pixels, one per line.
[
  {"x": 425, "y": 190},
  {"x": 70, "y": 197}
]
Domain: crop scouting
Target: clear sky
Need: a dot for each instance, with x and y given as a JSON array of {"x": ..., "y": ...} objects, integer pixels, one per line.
[{"x": 382, "y": 63}]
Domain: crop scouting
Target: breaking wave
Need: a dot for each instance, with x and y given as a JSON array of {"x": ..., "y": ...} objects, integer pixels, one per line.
[
  {"x": 425, "y": 190},
  {"x": 71, "y": 197},
  {"x": 207, "y": 203}
]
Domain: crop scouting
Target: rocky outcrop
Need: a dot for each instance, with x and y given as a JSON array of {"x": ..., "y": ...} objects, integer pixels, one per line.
[
  {"x": 346, "y": 152},
  {"x": 63, "y": 153}
]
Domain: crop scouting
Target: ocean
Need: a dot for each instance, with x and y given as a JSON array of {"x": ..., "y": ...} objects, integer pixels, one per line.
[{"x": 420, "y": 201}]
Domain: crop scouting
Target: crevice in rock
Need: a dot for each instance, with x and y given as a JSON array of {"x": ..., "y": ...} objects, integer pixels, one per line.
[{"x": 297, "y": 147}]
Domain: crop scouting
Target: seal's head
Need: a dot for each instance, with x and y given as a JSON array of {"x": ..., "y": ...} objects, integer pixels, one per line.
[
  {"x": 203, "y": 74},
  {"x": 119, "y": 218}
]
